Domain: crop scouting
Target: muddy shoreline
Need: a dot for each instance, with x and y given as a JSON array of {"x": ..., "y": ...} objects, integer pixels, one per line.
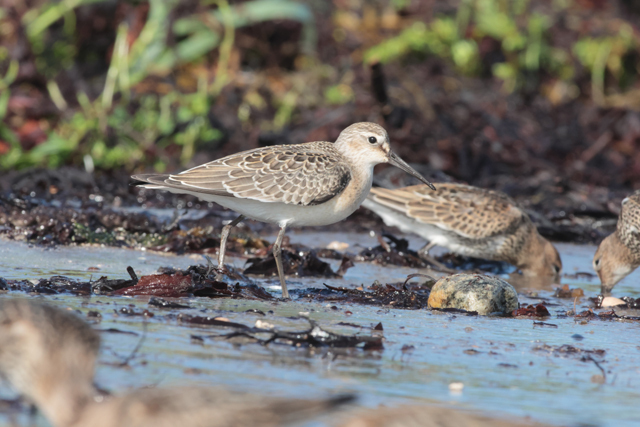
[
  {"x": 357, "y": 300},
  {"x": 550, "y": 359},
  {"x": 70, "y": 206}
]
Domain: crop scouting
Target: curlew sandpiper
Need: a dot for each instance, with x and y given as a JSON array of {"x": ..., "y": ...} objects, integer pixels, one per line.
[
  {"x": 619, "y": 253},
  {"x": 470, "y": 221},
  {"x": 316, "y": 183}
]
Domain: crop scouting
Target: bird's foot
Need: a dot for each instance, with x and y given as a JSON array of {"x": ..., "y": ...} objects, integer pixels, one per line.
[{"x": 436, "y": 265}]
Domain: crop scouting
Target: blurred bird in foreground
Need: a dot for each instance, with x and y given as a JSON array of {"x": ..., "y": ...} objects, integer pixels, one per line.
[
  {"x": 619, "y": 253},
  {"x": 49, "y": 355},
  {"x": 470, "y": 221},
  {"x": 427, "y": 416},
  {"x": 316, "y": 183}
]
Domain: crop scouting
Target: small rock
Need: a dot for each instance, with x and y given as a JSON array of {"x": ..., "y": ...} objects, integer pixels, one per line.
[
  {"x": 338, "y": 246},
  {"x": 261, "y": 324},
  {"x": 611, "y": 302},
  {"x": 474, "y": 292},
  {"x": 94, "y": 314},
  {"x": 161, "y": 302},
  {"x": 456, "y": 387}
]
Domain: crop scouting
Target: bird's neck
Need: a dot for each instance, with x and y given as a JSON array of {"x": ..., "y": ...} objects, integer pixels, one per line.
[
  {"x": 623, "y": 252},
  {"x": 532, "y": 251},
  {"x": 356, "y": 191}
]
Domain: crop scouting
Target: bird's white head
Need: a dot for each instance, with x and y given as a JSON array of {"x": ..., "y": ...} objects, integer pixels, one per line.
[{"x": 368, "y": 144}]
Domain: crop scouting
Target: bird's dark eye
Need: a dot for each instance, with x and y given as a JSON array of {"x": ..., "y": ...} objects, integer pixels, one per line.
[
  {"x": 596, "y": 262},
  {"x": 373, "y": 140},
  {"x": 556, "y": 268}
]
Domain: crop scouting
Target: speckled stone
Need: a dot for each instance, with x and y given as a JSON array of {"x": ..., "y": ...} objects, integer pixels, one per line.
[{"x": 474, "y": 292}]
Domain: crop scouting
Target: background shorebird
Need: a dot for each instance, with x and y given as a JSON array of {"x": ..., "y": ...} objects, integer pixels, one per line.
[
  {"x": 316, "y": 183},
  {"x": 619, "y": 253},
  {"x": 470, "y": 221},
  {"x": 49, "y": 355}
]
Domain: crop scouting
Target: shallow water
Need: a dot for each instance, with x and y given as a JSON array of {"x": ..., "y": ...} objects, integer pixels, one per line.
[{"x": 505, "y": 376}]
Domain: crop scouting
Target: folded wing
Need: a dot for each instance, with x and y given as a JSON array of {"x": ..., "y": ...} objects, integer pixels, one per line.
[
  {"x": 471, "y": 212},
  {"x": 305, "y": 174},
  {"x": 629, "y": 221}
]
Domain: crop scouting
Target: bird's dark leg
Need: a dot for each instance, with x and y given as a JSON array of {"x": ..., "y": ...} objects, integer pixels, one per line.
[
  {"x": 424, "y": 251},
  {"x": 277, "y": 253},
  {"x": 223, "y": 240}
]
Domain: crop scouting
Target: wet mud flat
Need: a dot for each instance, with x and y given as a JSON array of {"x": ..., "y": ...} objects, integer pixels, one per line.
[
  {"x": 567, "y": 365},
  {"x": 71, "y": 206},
  {"x": 131, "y": 262}
]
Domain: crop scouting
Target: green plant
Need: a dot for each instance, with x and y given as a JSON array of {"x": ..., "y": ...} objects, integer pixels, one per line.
[
  {"x": 603, "y": 54},
  {"x": 440, "y": 38},
  {"x": 6, "y": 136},
  {"x": 522, "y": 38},
  {"x": 121, "y": 126}
]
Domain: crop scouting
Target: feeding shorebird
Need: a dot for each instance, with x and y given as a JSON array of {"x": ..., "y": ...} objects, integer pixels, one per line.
[
  {"x": 316, "y": 183},
  {"x": 470, "y": 221},
  {"x": 49, "y": 354},
  {"x": 619, "y": 253}
]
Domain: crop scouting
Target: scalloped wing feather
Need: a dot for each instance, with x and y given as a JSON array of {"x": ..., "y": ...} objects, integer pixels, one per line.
[
  {"x": 470, "y": 212},
  {"x": 628, "y": 228},
  {"x": 304, "y": 174}
]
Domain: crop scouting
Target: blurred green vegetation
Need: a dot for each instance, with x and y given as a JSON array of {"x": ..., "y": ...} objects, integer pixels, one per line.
[
  {"x": 524, "y": 45},
  {"x": 118, "y": 128},
  {"x": 140, "y": 119}
]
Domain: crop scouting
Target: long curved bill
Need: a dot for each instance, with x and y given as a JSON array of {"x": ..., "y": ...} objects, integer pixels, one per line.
[{"x": 401, "y": 164}]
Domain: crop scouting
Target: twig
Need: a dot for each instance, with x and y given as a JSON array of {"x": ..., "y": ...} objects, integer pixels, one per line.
[
  {"x": 590, "y": 358},
  {"x": 132, "y": 273},
  {"x": 550, "y": 325},
  {"x": 595, "y": 148},
  {"x": 137, "y": 347},
  {"x": 210, "y": 266},
  {"x": 386, "y": 246},
  {"x": 177, "y": 216},
  {"x": 411, "y": 276}
]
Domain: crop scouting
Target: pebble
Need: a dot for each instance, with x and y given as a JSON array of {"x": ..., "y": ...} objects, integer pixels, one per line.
[
  {"x": 611, "y": 302},
  {"x": 474, "y": 292},
  {"x": 456, "y": 388},
  {"x": 338, "y": 246}
]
